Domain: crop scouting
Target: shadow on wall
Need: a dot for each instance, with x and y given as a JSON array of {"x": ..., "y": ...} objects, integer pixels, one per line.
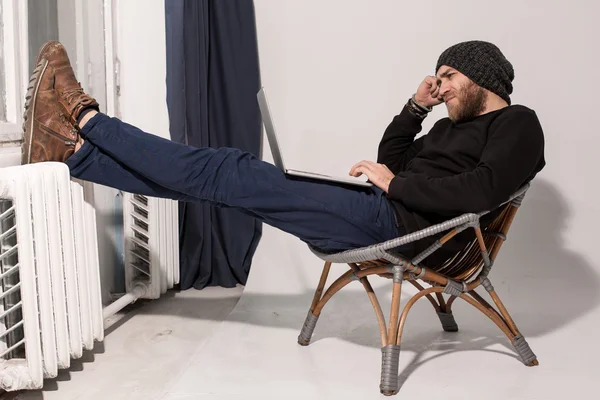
[{"x": 544, "y": 285}]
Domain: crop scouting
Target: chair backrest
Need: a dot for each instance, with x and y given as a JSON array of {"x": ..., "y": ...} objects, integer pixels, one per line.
[{"x": 468, "y": 263}]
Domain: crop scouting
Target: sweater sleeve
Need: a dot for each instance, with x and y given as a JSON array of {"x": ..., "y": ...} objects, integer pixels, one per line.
[
  {"x": 398, "y": 145},
  {"x": 513, "y": 152}
]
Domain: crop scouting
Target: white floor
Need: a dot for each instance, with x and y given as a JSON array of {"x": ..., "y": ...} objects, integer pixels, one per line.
[
  {"x": 143, "y": 352},
  {"x": 178, "y": 348}
]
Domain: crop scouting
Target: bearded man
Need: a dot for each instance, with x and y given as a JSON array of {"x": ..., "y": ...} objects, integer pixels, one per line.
[{"x": 470, "y": 162}]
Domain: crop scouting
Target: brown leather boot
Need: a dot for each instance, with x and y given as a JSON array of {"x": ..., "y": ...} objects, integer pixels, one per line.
[
  {"x": 48, "y": 135},
  {"x": 69, "y": 91}
]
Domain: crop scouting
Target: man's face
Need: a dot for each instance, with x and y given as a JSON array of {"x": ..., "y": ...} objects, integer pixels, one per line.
[{"x": 464, "y": 99}]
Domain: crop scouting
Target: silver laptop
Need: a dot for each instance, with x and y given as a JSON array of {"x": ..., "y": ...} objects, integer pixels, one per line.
[{"x": 276, "y": 151}]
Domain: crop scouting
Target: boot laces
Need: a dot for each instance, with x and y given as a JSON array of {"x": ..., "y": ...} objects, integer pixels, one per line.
[{"x": 76, "y": 94}]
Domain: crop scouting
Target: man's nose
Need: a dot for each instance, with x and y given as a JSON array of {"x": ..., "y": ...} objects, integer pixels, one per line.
[{"x": 444, "y": 88}]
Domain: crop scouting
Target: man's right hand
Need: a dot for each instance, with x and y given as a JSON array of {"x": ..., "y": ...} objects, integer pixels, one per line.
[{"x": 428, "y": 93}]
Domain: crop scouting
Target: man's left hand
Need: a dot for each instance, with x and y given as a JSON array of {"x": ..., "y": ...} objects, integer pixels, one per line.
[{"x": 379, "y": 174}]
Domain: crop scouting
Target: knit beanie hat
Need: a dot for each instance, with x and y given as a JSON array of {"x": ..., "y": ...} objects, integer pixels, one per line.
[{"x": 483, "y": 63}]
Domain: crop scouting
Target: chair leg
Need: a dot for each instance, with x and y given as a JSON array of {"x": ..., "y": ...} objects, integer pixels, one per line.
[
  {"x": 390, "y": 360},
  {"x": 375, "y": 303},
  {"x": 448, "y": 321},
  {"x": 446, "y": 317},
  {"x": 307, "y": 329},
  {"x": 311, "y": 320},
  {"x": 390, "y": 354},
  {"x": 442, "y": 309},
  {"x": 518, "y": 341},
  {"x": 524, "y": 351}
]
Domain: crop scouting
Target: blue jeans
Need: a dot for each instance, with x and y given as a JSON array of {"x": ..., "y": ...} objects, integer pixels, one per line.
[{"x": 328, "y": 216}]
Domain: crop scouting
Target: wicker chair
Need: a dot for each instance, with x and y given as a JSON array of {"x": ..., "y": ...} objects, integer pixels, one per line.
[{"x": 458, "y": 278}]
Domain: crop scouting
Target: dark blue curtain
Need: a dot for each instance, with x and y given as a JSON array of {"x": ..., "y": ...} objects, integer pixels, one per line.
[{"x": 212, "y": 80}]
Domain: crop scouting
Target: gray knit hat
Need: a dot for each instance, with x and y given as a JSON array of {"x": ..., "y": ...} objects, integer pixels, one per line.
[{"x": 483, "y": 63}]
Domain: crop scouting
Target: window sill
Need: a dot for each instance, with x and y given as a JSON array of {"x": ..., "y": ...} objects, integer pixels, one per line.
[{"x": 9, "y": 138}]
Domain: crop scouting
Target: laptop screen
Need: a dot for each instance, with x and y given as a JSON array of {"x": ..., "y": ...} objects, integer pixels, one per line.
[{"x": 270, "y": 129}]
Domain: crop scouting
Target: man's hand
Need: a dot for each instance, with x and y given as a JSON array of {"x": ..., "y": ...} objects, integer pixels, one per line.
[
  {"x": 428, "y": 93},
  {"x": 379, "y": 174}
]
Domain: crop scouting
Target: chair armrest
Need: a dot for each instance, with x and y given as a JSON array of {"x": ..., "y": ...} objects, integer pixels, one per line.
[
  {"x": 515, "y": 198},
  {"x": 464, "y": 221},
  {"x": 379, "y": 250}
]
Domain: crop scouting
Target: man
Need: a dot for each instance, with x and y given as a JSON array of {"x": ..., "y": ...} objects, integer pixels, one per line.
[{"x": 469, "y": 162}]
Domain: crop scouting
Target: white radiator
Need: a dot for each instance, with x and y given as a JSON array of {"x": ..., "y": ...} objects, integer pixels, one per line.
[
  {"x": 151, "y": 245},
  {"x": 50, "y": 287},
  {"x": 50, "y": 295}
]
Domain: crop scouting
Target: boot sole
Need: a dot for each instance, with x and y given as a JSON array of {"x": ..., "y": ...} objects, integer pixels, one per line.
[{"x": 29, "y": 117}]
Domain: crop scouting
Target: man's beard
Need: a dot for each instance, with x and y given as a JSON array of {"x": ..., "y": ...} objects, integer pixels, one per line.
[{"x": 471, "y": 102}]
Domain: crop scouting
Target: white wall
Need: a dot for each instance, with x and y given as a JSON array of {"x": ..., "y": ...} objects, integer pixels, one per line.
[
  {"x": 10, "y": 156},
  {"x": 337, "y": 71},
  {"x": 142, "y": 53}
]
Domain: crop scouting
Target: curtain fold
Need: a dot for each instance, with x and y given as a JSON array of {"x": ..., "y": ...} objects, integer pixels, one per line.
[{"x": 212, "y": 80}]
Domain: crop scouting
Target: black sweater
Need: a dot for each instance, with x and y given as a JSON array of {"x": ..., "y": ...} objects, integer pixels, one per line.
[{"x": 458, "y": 168}]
